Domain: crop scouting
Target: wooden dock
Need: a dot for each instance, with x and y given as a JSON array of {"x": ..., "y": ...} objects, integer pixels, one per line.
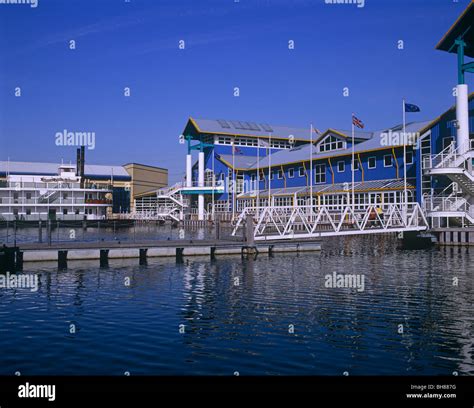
[{"x": 179, "y": 249}]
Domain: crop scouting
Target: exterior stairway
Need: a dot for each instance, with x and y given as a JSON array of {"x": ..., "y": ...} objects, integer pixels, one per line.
[
  {"x": 168, "y": 204},
  {"x": 49, "y": 197},
  {"x": 457, "y": 166}
]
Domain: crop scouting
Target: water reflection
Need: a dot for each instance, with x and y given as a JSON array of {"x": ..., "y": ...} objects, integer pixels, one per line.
[{"x": 237, "y": 313}]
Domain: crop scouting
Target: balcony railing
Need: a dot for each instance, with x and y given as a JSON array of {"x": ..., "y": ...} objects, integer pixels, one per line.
[
  {"x": 5, "y": 201},
  {"x": 28, "y": 185}
]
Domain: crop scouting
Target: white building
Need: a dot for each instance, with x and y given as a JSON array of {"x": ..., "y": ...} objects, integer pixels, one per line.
[{"x": 64, "y": 196}]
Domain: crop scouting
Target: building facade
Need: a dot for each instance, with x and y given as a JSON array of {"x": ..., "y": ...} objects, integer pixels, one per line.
[
  {"x": 245, "y": 164},
  {"x": 31, "y": 191}
]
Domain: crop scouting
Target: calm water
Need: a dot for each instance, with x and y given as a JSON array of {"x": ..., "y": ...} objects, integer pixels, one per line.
[
  {"x": 72, "y": 233},
  {"x": 244, "y": 327}
]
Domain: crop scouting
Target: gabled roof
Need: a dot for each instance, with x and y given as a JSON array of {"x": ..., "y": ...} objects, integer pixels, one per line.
[
  {"x": 463, "y": 28},
  {"x": 247, "y": 129},
  {"x": 303, "y": 153},
  {"x": 347, "y": 134},
  {"x": 238, "y": 161}
]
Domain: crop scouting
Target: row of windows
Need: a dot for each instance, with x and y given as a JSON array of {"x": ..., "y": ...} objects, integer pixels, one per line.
[
  {"x": 29, "y": 196},
  {"x": 333, "y": 200},
  {"x": 320, "y": 169},
  {"x": 65, "y": 211},
  {"x": 245, "y": 141},
  {"x": 331, "y": 143}
]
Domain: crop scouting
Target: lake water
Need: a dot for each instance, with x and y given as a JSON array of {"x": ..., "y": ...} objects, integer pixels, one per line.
[{"x": 269, "y": 316}]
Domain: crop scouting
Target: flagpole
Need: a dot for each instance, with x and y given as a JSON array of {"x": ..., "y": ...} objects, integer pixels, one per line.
[
  {"x": 353, "y": 165},
  {"x": 258, "y": 174},
  {"x": 269, "y": 167},
  {"x": 311, "y": 168},
  {"x": 405, "y": 197},
  {"x": 233, "y": 179},
  {"x": 213, "y": 182}
]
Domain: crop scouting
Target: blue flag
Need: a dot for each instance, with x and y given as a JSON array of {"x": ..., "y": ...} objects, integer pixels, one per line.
[{"x": 411, "y": 108}]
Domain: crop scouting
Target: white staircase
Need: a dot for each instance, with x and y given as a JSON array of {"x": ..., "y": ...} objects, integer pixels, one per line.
[
  {"x": 457, "y": 166},
  {"x": 449, "y": 205},
  {"x": 49, "y": 197},
  {"x": 168, "y": 204}
]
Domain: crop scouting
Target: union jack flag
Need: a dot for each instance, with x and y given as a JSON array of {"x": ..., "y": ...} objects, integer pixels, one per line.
[{"x": 357, "y": 122}]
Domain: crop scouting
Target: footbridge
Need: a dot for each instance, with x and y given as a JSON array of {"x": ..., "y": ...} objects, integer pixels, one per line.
[{"x": 302, "y": 222}]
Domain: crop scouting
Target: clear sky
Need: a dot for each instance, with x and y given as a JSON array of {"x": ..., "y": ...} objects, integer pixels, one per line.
[{"x": 228, "y": 43}]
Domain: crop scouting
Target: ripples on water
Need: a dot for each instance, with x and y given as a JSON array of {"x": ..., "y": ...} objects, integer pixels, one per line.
[{"x": 245, "y": 327}]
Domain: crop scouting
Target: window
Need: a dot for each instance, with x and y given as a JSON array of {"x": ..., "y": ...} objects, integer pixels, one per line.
[
  {"x": 330, "y": 143},
  {"x": 301, "y": 172},
  {"x": 28, "y": 211},
  {"x": 253, "y": 177},
  {"x": 280, "y": 144},
  {"x": 409, "y": 157},
  {"x": 77, "y": 212},
  {"x": 341, "y": 166},
  {"x": 223, "y": 140},
  {"x": 65, "y": 211},
  {"x": 291, "y": 173},
  {"x": 271, "y": 175},
  {"x": 356, "y": 164},
  {"x": 244, "y": 141},
  {"x": 280, "y": 174},
  {"x": 15, "y": 196},
  {"x": 28, "y": 196},
  {"x": 320, "y": 173},
  {"x": 447, "y": 141},
  {"x": 15, "y": 211},
  {"x": 372, "y": 162},
  {"x": 387, "y": 160},
  {"x": 64, "y": 196}
]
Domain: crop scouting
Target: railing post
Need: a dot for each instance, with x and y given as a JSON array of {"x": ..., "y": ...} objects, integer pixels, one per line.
[
  {"x": 49, "y": 232},
  {"x": 249, "y": 230}
]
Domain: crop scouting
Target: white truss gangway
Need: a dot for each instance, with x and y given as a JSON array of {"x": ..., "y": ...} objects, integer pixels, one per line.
[{"x": 303, "y": 222}]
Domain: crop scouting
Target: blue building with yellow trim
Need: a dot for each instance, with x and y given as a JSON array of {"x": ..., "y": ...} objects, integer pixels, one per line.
[{"x": 257, "y": 162}]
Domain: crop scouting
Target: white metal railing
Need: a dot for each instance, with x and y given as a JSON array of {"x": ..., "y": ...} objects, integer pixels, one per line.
[
  {"x": 448, "y": 204},
  {"x": 63, "y": 185},
  {"x": 450, "y": 157},
  {"x": 166, "y": 191},
  {"x": 315, "y": 221}
]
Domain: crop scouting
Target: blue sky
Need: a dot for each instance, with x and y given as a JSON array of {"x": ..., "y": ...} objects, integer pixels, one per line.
[{"x": 228, "y": 44}]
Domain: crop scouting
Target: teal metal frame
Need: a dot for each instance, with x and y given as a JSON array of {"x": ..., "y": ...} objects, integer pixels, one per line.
[
  {"x": 462, "y": 67},
  {"x": 199, "y": 146}
]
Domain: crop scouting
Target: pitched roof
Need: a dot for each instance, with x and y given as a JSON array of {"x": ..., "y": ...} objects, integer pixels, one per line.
[
  {"x": 318, "y": 189},
  {"x": 252, "y": 129},
  {"x": 303, "y": 153},
  {"x": 239, "y": 161},
  {"x": 463, "y": 28},
  {"x": 39, "y": 168}
]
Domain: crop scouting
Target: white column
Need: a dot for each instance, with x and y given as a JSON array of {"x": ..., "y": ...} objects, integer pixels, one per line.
[
  {"x": 189, "y": 172},
  {"x": 462, "y": 116},
  {"x": 201, "y": 184}
]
